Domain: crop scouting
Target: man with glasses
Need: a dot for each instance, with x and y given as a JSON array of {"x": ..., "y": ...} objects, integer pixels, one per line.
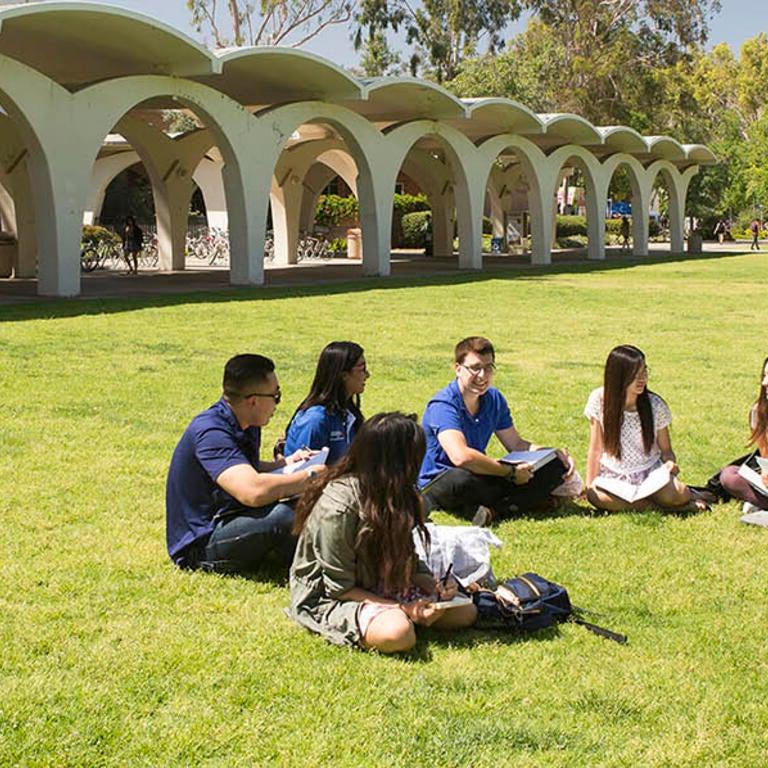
[
  {"x": 222, "y": 504},
  {"x": 459, "y": 421}
]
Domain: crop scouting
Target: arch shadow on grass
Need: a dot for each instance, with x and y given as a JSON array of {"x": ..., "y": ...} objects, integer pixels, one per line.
[{"x": 18, "y": 302}]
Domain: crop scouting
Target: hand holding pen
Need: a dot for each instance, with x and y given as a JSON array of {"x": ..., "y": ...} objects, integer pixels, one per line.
[{"x": 447, "y": 586}]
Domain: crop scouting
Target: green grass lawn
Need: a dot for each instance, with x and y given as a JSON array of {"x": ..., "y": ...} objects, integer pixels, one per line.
[{"x": 111, "y": 657}]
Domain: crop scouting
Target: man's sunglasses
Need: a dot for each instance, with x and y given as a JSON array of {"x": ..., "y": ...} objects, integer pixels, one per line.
[{"x": 276, "y": 396}]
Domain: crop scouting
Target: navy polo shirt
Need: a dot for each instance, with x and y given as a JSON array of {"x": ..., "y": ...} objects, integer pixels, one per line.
[
  {"x": 447, "y": 410},
  {"x": 317, "y": 427},
  {"x": 213, "y": 442}
]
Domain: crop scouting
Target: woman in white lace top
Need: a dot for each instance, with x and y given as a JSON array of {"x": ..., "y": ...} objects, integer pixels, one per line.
[{"x": 629, "y": 437}]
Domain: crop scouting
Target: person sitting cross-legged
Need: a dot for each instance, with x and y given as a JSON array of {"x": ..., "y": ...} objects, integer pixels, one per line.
[
  {"x": 223, "y": 508},
  {"x": 356, "y": 578},
  {"x": 459, "y": 421}
]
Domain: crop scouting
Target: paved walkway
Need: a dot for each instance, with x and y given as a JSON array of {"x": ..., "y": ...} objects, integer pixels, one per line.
[{"x": 148, "y": 283}]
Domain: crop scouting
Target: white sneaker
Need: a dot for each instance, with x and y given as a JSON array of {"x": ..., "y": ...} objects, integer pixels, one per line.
[
  {"x": 747, "y": 508},
  {"x": 483, "y": 517}
]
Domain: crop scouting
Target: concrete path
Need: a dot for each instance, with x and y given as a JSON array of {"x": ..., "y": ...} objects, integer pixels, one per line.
[{"x": 404, "y": 264}]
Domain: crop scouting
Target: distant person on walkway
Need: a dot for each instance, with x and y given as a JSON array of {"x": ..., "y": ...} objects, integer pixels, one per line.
[
  {"x": 624, "y": 231},
  {"x": 356, "y": 578},
  {"x": 223, "y": 508},
  {"x": 629, "y": 436},
  {"x": 730, "y": 478},
  {"x": 719, "y": 231},
  {"x": 754, "y": 228},
  {"x": 459, "y": 421},
  {"x": 133, "y": 242},
  {"x": 330, "y": 414}
]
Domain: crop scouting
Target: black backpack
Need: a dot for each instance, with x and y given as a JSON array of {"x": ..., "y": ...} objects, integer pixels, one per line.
[{"x": 530, "y": 602}]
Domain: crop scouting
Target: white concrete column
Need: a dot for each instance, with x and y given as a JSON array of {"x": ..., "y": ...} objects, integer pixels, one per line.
[
  {"x": 286, "y": 217},
  {"x": 443, "y": 222},
  {"x": 208, "y": 176}
]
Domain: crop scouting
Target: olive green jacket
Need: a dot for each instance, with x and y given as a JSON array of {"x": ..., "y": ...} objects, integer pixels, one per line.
[{"x": 326, "y": 565}]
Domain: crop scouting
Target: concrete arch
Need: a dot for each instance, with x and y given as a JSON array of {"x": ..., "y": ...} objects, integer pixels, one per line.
[
  {"x": 105, "y": 171},
  {"x": 537, "y": 170},
  {"x": 641, "y": 197},
  {"x": 364, "y": 143},
  {"x": 39, "y": 108},
  {"x": 596, "y": 192},
  {"x": 469, "y": 188},
  {"x": 677, "y": 184},
  {"x": 235, "y": 133},
  {"x": 288, "y": 188}
]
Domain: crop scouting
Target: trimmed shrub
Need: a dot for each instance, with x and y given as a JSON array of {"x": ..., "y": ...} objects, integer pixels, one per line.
[
  {"x": 333, "y": 210},
  {"x": 417, "y": 229},
  {"x": 569, "y": 226},
  {"x": 338, "y": 245},
  {"x": 94, "y": 235},
  {"x": 403, "y": 204}
]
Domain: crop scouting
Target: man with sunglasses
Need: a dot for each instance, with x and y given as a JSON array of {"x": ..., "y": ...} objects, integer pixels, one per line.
[
  {"x": 459, "y": 421},
  {"x": 223, "y": 508}
]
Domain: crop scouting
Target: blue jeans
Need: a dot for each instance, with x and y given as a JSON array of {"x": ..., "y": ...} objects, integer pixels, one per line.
[{"x": 240, "y": 541}]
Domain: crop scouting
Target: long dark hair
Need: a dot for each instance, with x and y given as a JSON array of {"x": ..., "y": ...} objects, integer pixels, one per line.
[
  {"x": 336, "y": 359},
  {"x": 759, "y": 435},
  {"x": 622, "y": 366},
  {"x": 384, "y": 458}
]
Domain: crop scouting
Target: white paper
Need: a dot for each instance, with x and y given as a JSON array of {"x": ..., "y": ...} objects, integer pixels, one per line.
[
  {"x": 319, "y": 458},
  {"x": 631, "y": 493}
]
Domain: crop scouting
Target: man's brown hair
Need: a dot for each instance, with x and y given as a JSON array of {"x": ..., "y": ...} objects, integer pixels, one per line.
[{"x": 477, "y": 344}]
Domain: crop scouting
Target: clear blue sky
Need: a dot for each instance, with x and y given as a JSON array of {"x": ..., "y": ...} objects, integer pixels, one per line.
[{"x": 738, "y": 20}]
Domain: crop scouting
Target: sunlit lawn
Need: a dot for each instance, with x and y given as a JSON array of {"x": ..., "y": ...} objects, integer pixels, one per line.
[{"x": 111, "y": 657}]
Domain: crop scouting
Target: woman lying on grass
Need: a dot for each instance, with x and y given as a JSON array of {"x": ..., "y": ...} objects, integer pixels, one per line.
[
  {"x": 730, "y": 478},
  {"x": 629, "y": 440},
  {"x": 355, "y": 578}
]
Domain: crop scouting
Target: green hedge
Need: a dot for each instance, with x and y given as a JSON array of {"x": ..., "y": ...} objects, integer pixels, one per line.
[
  {"x": 403, "y": 204},
  {"x": 417, "y": 229},
  {"x": 95, "y": 235},
  {"x": 333, "y": 210},
  {"x": 568, "y": 226}
]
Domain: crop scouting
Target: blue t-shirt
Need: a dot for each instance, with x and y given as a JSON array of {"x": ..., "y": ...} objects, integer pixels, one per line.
[
  {"x": 213, "y": 442},
  {"x": 447, "y": 410},
  {"x": 317, "y": 427}
]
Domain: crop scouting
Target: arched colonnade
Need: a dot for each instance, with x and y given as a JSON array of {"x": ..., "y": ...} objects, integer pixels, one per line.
[{"x": 251, "y": 155}]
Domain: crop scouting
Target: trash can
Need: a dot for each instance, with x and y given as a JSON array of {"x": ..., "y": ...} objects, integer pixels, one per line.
[
  {"x": 354, "y": 244},
  {"x": 8, "y": 253},
  {"x": 694, "y": 242}
]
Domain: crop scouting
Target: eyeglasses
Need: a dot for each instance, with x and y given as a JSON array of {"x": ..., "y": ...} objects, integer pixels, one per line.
[
  {"x": 476, "y": 370},
  {"x": 276, "y": 396},
  {"x": 643, "y": 373}
]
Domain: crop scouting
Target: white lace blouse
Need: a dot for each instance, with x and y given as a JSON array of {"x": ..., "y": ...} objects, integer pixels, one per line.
[{"x": 633, "y": 455}]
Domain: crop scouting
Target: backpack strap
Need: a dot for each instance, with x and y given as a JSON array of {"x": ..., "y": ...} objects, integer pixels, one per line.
[{"x": 608, "y": 634}]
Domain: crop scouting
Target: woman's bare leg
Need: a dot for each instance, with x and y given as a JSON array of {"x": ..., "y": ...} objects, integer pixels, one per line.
[
  {"x": 607, "y": 501},
  {"x": 390, "y": 632},
  {"x": 457, "y": 618}
]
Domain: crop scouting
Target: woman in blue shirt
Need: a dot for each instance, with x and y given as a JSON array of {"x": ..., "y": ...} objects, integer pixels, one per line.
[{"x": 330, "y": 414}]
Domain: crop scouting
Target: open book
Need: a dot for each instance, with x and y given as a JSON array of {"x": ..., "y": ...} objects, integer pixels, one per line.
[
  {"x": 754, "y": 478},
  {"x": 535, "y": 458},
  {"x": 319, "y": 458},
  {"x": 455, "y": 602},
  {"x": 631, "y": 493}
]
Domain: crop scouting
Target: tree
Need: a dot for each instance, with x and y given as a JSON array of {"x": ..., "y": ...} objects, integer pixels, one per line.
[
  {"x": 602, "y": 60},
  {"x": 269, "y": 22},
  {"x": 441, "y": 33}
]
